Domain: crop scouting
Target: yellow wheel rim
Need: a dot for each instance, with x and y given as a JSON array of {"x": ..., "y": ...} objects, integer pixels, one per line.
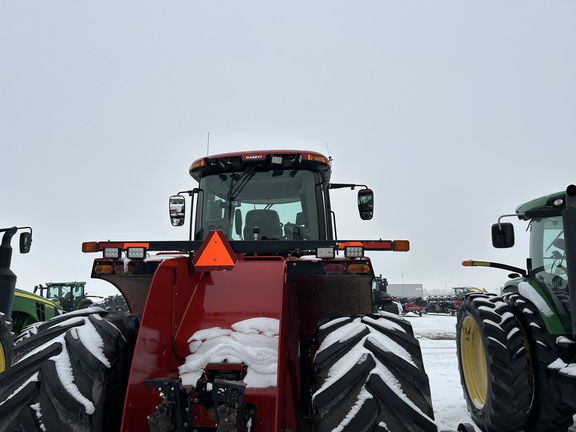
[
  {"x": 2, "y": 358},
  {"x": 473, "y": 360}
]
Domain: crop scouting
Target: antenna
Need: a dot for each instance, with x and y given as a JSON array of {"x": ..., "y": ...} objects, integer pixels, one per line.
[
  {"x": 208, "y": 145},
  {"x": 327, "y": 150}
]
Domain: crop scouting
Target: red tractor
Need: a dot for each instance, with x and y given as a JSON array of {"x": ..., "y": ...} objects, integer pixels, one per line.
[{"x": 260, "y": 321}]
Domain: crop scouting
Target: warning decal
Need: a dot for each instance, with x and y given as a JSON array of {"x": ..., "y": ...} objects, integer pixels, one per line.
[{"x": 215, "y": 253}]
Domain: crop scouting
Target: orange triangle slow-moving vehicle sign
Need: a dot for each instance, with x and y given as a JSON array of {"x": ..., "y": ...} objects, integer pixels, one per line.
[{"x": 215, "y": 253}]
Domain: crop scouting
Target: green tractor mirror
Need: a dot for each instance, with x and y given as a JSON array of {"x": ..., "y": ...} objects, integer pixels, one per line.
[
  {"x": 503, "y": 235},
  {"x": 25, "y": 242}
]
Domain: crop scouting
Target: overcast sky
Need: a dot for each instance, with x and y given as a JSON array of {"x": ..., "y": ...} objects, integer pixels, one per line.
[{"x": 453, "y": 112}]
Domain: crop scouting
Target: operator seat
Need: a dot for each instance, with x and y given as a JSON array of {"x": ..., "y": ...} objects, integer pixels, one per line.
[
  {"x": 302, "y": 219},
  {"x": 299, "y": 230},
  {"x": 267, "y": 221}
]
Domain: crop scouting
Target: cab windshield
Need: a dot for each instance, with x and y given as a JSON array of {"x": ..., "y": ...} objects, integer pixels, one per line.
[{"x": 260, "y": 205}]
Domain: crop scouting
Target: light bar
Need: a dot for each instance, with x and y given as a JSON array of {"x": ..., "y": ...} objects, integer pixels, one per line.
[
  {"x": 400, "y": 245},
  {"x": 325, "y": 252},
  {"x": 318, "y": 158},
  {"x": 90, "y": 247},
  {"x": 334, "y": 268},
  {"x": 359, "y": 268},
  {"x": 112, "y": 252},
  {"x": 136, "y": 252},
  {"x": 472, "y": 263},
  {"x": 353, "y": 251},
  {"x": 104, "y": 269},
  {"x": 276, "y": 160},
  {"x": 198, "y": 163}
]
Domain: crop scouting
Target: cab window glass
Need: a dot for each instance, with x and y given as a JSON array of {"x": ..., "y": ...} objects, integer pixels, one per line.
[{"x": 278, "y": 203}]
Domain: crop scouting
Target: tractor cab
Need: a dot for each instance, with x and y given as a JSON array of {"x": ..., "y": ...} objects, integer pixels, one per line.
[
  {"x": 69, "y": 295},
  {"x": 264, "y": 196},
  {"x": 546, "y": 267}
]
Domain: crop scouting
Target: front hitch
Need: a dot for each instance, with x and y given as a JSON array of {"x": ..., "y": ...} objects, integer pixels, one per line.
[{"x": 173, "y": 413}]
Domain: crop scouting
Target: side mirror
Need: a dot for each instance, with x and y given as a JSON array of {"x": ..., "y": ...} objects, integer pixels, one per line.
[
  {"x": 177, "y": 210},
  {"x": 503, "y": 235},
  {"x": 366, "y": 203},
  {"x": 25, "y": 242}
]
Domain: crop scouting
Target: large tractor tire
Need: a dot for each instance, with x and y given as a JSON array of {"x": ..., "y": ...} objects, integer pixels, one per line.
[
  {"x": 494, "y": 364},
  {"x": 369, "y": 376},
  {"x": 6, "y": 343},
  {"x": 69, "y": 373},
  {"x": 546, "y": 412},
  {"x": 391, "y": 307},
  {"x": 20, "y": 321}
]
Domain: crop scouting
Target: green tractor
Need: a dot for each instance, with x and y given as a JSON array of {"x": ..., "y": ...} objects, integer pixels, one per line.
[
  {"x": 517, "y": 350},
  {"x": 69, "y": 295},
  {"x": 29, "y": 308}
]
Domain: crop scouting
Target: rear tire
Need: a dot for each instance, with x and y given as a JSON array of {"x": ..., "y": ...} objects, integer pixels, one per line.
[
  {"x": 20, "y": 321},
  {"x": 546, "y": 412},
  {"x": 361, "y": 363},
  {"x": 390, "y": 307},
  {"x": 493, "y": 364},
  {"x": 69, "y": 373},
  {"x": 6, "y": 343},
  {"x": 86, "y": 304}
]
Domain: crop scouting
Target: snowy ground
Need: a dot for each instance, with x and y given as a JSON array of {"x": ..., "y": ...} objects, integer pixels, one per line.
[
  {"x": 437, "y": 336},
  {"x": 436, "y": 333}
]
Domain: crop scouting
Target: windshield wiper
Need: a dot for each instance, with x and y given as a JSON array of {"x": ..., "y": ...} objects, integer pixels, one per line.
[{"x": 241, "y": 181}]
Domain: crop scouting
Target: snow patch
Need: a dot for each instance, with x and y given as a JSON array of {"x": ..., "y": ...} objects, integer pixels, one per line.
[
  {"x": 34, "y": 378},
  {"x": 557, "y": 364},
  {"x": 334, "y": 321},
  {"x": 362, "y": 397},
  {"x": 564, "y": 340},
  {"x": 570, "y": 369},
  {"x": 344, "y": 333},
  {"x": 36, "y": 408},
  {"x": 253, "y": 342},
  {"x": 492, "y": 323},
  {"x": 486, "y": 308},
  {"x": 66, "y": 376},
  {"x": 513, "y": 333},
  {"x": 266, "y": 326},
  {"x": 342, "y": 365},
  {"x": 563, "y": 368},
  {"x": 526, "y": 290}
]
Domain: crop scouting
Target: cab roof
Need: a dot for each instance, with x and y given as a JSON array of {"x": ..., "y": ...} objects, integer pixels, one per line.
[
  {"x": 548, "y": 205},
  {"x": 263, "y": 160}
]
